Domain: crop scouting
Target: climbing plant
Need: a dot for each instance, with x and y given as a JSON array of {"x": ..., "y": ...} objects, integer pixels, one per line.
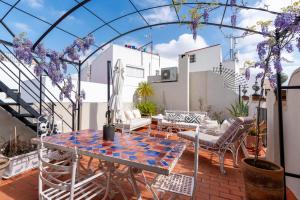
[{"x": 52, "y": 62}]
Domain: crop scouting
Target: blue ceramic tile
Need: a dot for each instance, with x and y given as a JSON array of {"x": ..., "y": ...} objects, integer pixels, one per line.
[
  {"x": 102, "y": 151},
  {"x": 165, "y": 142},
  {"x": 132, "y": 157},
  {"x": 142, "y": 144},
  {"x": 151, "y": 162},
  {"x": 138, "y": 138},
  {"x": 116, "y": 154},
  {"x": 129, "y": 152},
  {"x": 164, "y": 163},
  {"x": 152, "y": 153},
  {"x": 167, "y": 149}
]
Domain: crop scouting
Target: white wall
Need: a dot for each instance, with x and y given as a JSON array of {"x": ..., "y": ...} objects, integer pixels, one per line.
[
  {"x": 206, "y": 58},
  {"x": 209, "y": 87},
  {"x": 291, "y": 122},
  {"x": 129, "y": 57},
  {"x": 173, "y": 95}
]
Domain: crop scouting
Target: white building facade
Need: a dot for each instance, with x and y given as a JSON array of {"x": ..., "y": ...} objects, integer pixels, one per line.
[{"x": 138, "y": 66}]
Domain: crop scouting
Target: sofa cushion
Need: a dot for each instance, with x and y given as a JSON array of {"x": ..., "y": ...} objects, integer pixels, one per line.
[
  {"x": 137, "y": 114},
  {"x": 193, "y": 118},
  {"x": 129, "y": 115},
  {"x": 123, "y": 117},
  {"x": 175, "y": 116},
  {"x": 137, "y": 123}
]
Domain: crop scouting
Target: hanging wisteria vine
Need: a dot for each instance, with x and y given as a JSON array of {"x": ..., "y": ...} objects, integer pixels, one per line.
[{"x": 53, "y": 62}]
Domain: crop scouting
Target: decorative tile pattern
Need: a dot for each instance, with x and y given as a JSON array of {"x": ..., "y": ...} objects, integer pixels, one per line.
[{"x": 153, "y": 154}]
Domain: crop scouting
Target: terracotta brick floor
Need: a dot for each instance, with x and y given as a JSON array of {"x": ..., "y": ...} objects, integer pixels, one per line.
[{"x": 211, "y": 184}]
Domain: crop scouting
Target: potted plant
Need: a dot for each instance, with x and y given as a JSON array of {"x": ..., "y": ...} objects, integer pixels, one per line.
[
  {"x": 239, "y": 109},
  {"x": 17, "y": 156},
  {"x": 4, "y": 162},
  {"x": 264, "y": 179},
  {"x": 144, "y": 91}
]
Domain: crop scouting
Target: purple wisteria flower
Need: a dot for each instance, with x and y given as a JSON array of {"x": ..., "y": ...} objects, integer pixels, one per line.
[
  {"x": 259, "y": 75},
  {"x": 194, "y": 26},
  {"x": 298, "y": 43},
  {"x": 205, "y": 15},
  {"x": 262, "y": 48},
  {"x": 233, "y": 20},
  {"x": 232, "y": 2},
  {"x": 284, "y": 21},
  {"x": 264, "y": 30},
  {"x": 247, "y": 73},
  {"x": 277, "y": 64},
  {"x": 289, "y": 47}
]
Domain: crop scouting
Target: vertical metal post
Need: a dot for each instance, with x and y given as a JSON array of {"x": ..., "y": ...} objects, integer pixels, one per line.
[
  {"x": 79, "y": 93},
  {"x": 41, "y": 79},
  {"x": 280, "y": 126},
  {"x": 73, "y": 117},
  {"x": 239, "y": 93},
  {"x": 280, "y": 119},
  {"x": 19, "y": 106},
  {"x": 108, "y": 90}
]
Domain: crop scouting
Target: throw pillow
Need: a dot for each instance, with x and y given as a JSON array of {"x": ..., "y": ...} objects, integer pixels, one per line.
[
  {"x": 137, "y": 114},
  {"x": 129, "y": 115},
  {"x": 193, "y": 118}
]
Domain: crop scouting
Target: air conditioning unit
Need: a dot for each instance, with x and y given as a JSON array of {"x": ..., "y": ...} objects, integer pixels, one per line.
[{"x": 169, "y": 74}]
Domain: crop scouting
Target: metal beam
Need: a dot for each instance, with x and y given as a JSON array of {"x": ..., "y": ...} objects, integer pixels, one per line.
[
  {"x": 137, "y": 10},
  {"x": 10, "y": 9},
  {"x": 97, "y": 16},
  {"x": 37, "y": 18},
  {"x": 194, "y": 3},
  {"x": 225, "y": 8},
  {"x": 176, "y": 10},
  {"x": 165, "y": 23},
  {"x": 58, "y": 21}
]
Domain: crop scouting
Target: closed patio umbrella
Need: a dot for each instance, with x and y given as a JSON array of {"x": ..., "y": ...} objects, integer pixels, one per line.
[{"x": 115, "y": 102}]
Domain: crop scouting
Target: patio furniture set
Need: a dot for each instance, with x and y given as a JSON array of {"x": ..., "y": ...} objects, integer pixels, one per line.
[{"x": 68, "y": 178}]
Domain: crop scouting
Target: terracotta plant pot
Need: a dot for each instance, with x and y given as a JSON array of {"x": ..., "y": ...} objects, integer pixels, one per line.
[
  {"x": 4, "y": 162},
  {"x": 263, "y": 181},
  {"x": 251, "y": 142}
]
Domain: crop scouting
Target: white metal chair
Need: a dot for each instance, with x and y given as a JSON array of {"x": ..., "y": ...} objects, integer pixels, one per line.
[
  {"x": 230, "y": 140},
  {"x": 179, "y": 184},
  {"x": 63, "y": 181}
]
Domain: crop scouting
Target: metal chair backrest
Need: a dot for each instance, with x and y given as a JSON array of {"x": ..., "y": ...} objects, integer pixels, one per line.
[
  {"x": 196, "y": 160},
  {"x": 49, "y": 173},
  {"x": 235, "y": 130}
]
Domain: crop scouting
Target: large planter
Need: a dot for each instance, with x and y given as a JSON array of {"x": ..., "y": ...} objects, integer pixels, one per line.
[
  {"x": 21, "y": 163},
  {"x": 4, "y": 162},
  {"x": 263, "y": 181}
]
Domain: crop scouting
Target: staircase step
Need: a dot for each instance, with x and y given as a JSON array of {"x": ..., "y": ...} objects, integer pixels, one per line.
[
  {"x": 23, "y": 115},
  {"x": 9, "y": 104}
]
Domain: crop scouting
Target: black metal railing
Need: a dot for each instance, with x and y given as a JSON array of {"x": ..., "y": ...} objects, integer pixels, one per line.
[{"x": 42, "y": 98}]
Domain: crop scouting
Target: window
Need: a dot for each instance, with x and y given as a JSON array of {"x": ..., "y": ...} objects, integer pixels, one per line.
[
  {"x": 134, "y": 72},
  {"x": 192, "y": 58}
]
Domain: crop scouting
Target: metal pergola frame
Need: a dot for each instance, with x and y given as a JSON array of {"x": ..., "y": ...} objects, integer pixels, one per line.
[{"x": 82, "y": 4}]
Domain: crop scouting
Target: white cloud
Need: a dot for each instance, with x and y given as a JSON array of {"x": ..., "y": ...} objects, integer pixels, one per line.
[
  {"x": 22, "y": 27},
  {"x": 158, "y": 15},
  {"x": 184, "y": 43},
  {"x": 35, "y": 3}
]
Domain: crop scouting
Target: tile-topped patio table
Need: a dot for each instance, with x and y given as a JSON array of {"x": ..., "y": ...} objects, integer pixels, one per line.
[{"x": 135, "y": 151}]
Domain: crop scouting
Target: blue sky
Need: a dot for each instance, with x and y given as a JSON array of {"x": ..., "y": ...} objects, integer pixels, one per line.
[{"x": 168, "y": 40}]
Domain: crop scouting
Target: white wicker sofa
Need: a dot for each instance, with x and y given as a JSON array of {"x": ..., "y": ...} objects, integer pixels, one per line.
[
  {"x": 132, "y": 119},
  {"x": 182, "y": 119}
]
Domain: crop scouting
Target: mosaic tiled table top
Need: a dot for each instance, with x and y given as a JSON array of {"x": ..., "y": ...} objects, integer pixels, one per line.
[{"x": 148, "y": 153}]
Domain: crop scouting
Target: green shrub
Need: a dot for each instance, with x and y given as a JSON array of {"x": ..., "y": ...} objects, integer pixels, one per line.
[
  {"x": 239, "y": 109},
  {"x": 147, "y": 108}
]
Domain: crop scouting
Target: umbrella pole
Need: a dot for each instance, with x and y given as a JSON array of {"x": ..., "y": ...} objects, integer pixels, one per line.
[{"x": 108, "y": 91}]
